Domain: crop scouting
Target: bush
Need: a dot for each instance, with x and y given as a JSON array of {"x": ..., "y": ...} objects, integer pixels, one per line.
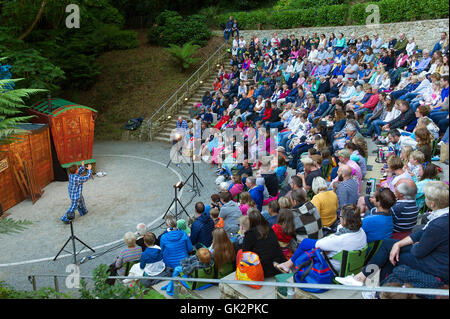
[
  {"x": 171, "y": 28},
  {"x": 288, "y": 14}
]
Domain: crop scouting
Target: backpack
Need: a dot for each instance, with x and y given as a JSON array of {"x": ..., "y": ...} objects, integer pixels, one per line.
[
  {"x": 312, "y": 268},
  {"x": 133, "y": 124}
]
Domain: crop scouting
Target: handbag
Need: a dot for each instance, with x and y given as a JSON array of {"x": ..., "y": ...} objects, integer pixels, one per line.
[
  {"x": 312, "y": 268},
  {"x": 249, "y": 268}
]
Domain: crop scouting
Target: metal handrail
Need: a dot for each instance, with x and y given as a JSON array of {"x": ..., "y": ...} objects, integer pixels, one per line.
[
  {"x": 176, "y": 94},
  {"x": 417, "y": 291}
]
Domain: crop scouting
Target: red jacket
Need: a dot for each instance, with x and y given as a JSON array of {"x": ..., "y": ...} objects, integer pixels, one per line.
[
  {"x": 267, "y": 113},
  {"x": 284, "y": 94},
  {"x": 372, "y": 102}
]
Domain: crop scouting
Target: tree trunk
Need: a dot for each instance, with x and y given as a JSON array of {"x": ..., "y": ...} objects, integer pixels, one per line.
[{"x": 38, "y": 16}]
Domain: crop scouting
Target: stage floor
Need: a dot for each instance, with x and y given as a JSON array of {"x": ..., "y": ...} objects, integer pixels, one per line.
[{"x": 138, "y": 188}]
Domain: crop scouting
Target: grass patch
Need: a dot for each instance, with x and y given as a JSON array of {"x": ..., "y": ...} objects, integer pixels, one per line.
[{"x": 134, "y": 83}]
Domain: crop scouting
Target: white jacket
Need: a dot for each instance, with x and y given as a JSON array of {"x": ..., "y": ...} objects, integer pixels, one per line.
[{"x": 334, "y": 244}]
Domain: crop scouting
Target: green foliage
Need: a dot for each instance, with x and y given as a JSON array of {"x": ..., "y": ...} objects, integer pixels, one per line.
[
  {"x": 288, "y": 14},
  {"x": 9, "y": 225},
  {"x": 183, "y": 56},
  {"x": 52, "y": 55},
  {"x": 304, "y": 4},
  {"x": 101, "y": 290},
  {"x": 11, "y": 105},
  {"x": 7, "y": 292},
  {"x": 171, "y": 28},
  {"x": 401, "y": 10}
]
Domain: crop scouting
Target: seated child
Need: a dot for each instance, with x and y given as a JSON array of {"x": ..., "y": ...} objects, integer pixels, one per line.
[
  {"x": 246, "y": 202},
  {"x": 202, "y": 259},
  {"x": 416, "y": 159},
  {"x": 284, "y": 230},
  {"x": 281, "y": 170},
  {"x": 215, "y": 201},
  {"x": 218, "y": 221},
  {"x": 244, "y": 225},
  {"x": 181, "y": 224}
]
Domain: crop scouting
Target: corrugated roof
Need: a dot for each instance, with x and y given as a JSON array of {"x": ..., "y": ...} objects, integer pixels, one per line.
[{"x": 58, "y": 106}]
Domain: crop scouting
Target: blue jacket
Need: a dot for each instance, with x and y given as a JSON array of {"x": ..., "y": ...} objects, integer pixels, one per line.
[
  {"x": 175, "y": 246},
  {"x": 201, "y": 231},
  {"x": 208, "y": 117},
  {"x": 377, "y": 226},
  {"x": 322, "y": 108},
  {"x": 257, "y": 194},
  {"x": 150, "y": 256},
  {"x": 431, "y": 248},
  {"x": 244, "y": 105}
]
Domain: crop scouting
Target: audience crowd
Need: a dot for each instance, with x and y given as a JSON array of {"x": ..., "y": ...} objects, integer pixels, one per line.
[{"x": 321, "y": 99}]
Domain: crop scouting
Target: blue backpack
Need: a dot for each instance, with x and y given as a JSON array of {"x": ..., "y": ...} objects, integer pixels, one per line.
[{"x": 312, "y": 268}]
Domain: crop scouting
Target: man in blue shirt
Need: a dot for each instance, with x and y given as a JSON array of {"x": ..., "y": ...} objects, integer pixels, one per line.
[
  {"x": 426, "y": 59},
  {"x": 244, "y": 103},
  {"x": 75, "y": 188}
]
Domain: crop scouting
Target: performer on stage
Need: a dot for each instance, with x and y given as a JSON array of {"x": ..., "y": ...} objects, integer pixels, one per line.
[{"x": 75, "y": 191}]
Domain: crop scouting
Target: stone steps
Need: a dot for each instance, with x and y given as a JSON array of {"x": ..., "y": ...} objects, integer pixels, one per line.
[{"x": 196, "y": 97}]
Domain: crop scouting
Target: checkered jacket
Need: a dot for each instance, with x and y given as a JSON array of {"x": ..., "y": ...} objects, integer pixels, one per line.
[
  {"x": 307, "y": 221},
  {"x": 76, "y": 183}
]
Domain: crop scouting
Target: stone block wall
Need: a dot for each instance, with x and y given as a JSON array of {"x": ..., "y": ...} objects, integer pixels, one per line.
[{"x": 425, "y": 32}]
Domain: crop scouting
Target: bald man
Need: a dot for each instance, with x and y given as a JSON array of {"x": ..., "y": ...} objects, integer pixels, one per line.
[
  {"x": 347, "y": 189},
  {"x": 405, "y": 210}
]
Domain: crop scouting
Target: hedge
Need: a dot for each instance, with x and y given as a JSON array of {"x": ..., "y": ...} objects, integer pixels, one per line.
[{"x": 340, "y": 14}]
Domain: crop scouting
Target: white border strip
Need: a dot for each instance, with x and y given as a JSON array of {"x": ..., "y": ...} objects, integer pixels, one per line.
[{"x": 113, "y": 242}]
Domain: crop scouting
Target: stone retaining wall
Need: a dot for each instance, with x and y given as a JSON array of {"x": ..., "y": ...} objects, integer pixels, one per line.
[{"x": 425, "y": 32}]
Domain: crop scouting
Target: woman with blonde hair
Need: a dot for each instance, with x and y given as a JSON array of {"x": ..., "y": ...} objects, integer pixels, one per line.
[
  {"x": 326, "y": 201},
  {"x": 285, "y": 202}
]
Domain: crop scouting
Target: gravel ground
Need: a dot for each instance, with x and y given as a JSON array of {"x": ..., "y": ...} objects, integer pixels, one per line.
[{"x": 137, "y": 188}]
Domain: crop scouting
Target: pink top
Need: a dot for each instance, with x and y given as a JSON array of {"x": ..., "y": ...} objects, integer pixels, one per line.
[{"x": 244, "y": 208}]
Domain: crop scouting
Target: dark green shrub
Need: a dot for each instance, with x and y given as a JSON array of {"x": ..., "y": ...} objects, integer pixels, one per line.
[{"x": 171, "y": 28}]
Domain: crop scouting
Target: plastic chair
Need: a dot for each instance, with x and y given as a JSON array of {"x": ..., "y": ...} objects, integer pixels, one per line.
[
  {"x": 352, "y": 261},
  {"x": 128, "y": 266},
  {"x": 372, "y": 249}
]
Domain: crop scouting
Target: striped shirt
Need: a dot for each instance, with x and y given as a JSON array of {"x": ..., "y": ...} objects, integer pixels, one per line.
[
  {"x": 126, "y": 255},
  {"x": 404, "y": 213}
]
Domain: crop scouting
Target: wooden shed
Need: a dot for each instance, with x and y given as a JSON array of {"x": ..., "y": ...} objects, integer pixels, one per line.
[
  {"x": 71, "y": 126},
  {"x": 34, "y": 150}
]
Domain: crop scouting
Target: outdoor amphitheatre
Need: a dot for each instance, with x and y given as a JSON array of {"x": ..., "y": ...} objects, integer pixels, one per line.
[{"x": 223, "y": 150}]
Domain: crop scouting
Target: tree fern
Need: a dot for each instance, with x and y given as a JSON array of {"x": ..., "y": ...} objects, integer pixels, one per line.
[
  {"x": 183, "y": 56},
  {"x": 9, "y": 225},
  {"x": 11, "y": 107}
]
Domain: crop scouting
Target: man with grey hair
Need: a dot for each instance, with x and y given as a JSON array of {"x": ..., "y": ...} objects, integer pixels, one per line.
[
  {"x": 141, "y": 230},
  {"x": 256, "y": 191},
  {"x": 405, "y": 210}
]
